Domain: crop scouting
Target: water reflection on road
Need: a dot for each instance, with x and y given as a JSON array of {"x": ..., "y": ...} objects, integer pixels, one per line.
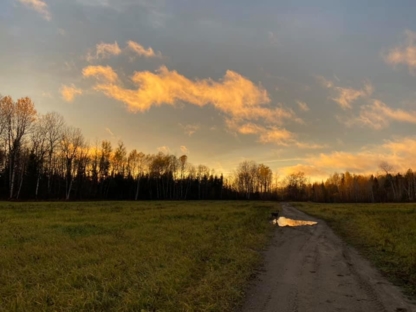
[{"x": 282, "y": 221}]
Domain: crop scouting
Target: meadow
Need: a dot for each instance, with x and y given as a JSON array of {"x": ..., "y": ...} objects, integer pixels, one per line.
[
  {"x": 129, "y": 256},
  {"x": 384, "y": 233}
]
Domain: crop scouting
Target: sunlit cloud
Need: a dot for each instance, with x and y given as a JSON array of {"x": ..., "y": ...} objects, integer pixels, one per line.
[
  {"x": 378, "y": 115},
  {"x": 399, "y": 153},
  {"x": 68, "y": 93},
  {"x": 39, "y": 6},
  {"x": 234, "y": 95},
  {"x": 303, "y": 106},
  {"x": 184, "y": 149},
  {"x": 108, "y": 130},
  {"x": 103, "y": 73},
  {"x": 270, "y": 134},
  {"x": 141, "y": 51},
  {"x": 164, "y": 149},
  {"x": 346, "y": 96},
  {"x": 404, "y": 54},
  {"x": 104, "y": 50},
  {"x": 190, "y": 129}
]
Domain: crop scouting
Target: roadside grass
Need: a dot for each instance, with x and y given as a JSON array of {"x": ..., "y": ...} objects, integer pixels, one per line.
[
  {"x": 129, "y": 256},
  {"x": 384, "y": 233}
]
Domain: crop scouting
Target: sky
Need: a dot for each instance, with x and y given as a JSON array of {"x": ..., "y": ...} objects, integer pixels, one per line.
[{"x": 314, "y": 86}]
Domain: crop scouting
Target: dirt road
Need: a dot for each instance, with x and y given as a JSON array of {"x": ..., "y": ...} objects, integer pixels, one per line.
[{"x": 309, "y": 269}]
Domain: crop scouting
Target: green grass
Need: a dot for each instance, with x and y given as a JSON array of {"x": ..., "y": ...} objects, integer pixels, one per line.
[
  {"x": 384, "y": 233},
  {"x": 129, "y": 256}
]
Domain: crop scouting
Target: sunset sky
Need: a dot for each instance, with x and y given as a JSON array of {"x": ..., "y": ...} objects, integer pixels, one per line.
[{"x": 313, "y": 86}]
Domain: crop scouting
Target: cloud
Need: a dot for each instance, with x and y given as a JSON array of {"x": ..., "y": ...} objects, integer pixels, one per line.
[
  {"x": 164, "y": 149},
  {"x": 108, "y": 130},
  {"x": 141, "y": 51},
  {"x": 189, "y": 129},
  {"x": 404, "y": 54},
  {"x": 303, "y": 106},
  {"x": 324, "y": 82},
  {"x": 271, "y": 134},
  {"x": 103, "y": 73},
  {"x": 346, "y": 96},
  {"x": 234, "y": 95},
  {"x": 246, "y": 106},
  {"x": 104, "y": 50},
  {"x": 39, "y": 6},
  {"x": 400, "y": 153},
  {"x": 184, "y": 149},
  {"x": 68, "y": 93},
  {"x": 378, "y": 115}
]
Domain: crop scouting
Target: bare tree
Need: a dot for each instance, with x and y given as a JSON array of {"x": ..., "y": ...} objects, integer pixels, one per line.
[
  {"x": 18, "y": 117},
  {"x": 71, "y": 145},
  {"x": 54, "y": 125}
]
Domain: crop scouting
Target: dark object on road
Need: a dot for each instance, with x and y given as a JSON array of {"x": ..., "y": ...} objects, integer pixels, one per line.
[{"x": 275, "y": 215}]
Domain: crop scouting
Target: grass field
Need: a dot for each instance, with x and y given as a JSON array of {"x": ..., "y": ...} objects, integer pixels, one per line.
[
  {"x": 384, "y": 233},
  {"x": 129, "y": 256}
]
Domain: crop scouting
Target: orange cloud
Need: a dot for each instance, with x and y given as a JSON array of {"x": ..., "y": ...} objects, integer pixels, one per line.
[
  {"x": 270, "y": 134},
  {"x": 346, "y": 96},
  {"x": 39, "y": 6},
  {"x": 245, "y": 104},
  {"x": 400, "y": 153},
  {"x": 164, "y": 149},
  {"x": 404, "y": 53},
  {"x": 103, "y": 73},
  {"x": 184, "y": 149},
  {"x": 141, "y": 51},
  {"x": 378, "y": 115},
  {"x": 234, "y": 95},
  {"x": 104, "y": 50},
  {"x": 68, "y": 93}
]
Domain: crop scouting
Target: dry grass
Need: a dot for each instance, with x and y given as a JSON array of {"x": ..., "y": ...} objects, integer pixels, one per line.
[
  {"x": 384, "y": 233},
  {"x": 129, "y": 256}
]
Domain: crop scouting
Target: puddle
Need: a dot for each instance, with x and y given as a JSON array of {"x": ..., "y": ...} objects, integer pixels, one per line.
[{"x": 282, "y": 221}]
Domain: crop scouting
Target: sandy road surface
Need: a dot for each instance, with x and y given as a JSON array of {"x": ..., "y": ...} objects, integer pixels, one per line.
[{"x": 309, "y": 269}]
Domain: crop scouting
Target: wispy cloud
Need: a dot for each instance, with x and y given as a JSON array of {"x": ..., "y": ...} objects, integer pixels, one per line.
[
  {"x": 346, "y": 96},
  {"x": 141, "y": 51},
  {"x": 184, "y": 149},
  {"x": 190, "y": 129},
  {"x": 108, "y": 130},
  {"x": 404, "y": 53},
  {"x": 164, "y": 149},
  {"x": 39, "y": 6},
  {"x": 378, "y": 115},
  {"x": 400, "y": 153},
  {"x": 104, "y": 50},
  {"x": 103, "y": 73},
  {"x": 303, "y": 106},
  {"x": 271, "y": 134},
  {"x": 68, "y": 93}
]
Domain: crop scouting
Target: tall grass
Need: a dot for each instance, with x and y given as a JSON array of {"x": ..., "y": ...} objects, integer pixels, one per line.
[
  {"x": 129, "y": 256},
  {"x": 384, "y": 233}
]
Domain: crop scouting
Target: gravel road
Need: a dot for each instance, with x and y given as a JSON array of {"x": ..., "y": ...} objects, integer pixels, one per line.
[{"x": 310, "y": 269}]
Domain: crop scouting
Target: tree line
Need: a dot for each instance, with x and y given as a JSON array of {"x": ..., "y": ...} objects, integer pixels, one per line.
[{"x": 43, "y": 158}]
